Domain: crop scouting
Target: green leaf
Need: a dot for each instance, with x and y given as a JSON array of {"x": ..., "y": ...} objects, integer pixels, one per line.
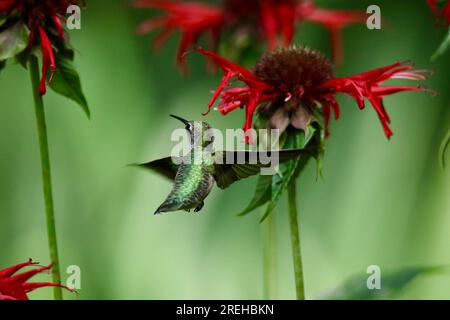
[
  {"x": 13, "y": 40},
  {"x": 270, "y": 188},
  {"x": 444, "y": 147},
  {"x": 66, "y": 82},
  {"x": 296, "y": 139},
  {"x": 261, "y": 196},
  {"x": 22, "y": 58},
  {"x": 264, "y": 185},
  {"x": 64, "y": 49},
  {"x": 445, "y": 45},
  {"x": 391, "y": 285}
]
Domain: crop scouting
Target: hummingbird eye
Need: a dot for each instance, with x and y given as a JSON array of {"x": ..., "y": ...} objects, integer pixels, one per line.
[{"x": 189, "y": 127}]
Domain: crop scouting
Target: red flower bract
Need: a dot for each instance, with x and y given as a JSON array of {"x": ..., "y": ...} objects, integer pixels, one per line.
[
  {"x": 298, "y": 81},
  {"x": 274, "y": 19},
  {"x": 44, "y": 19},
  {"x": 443, "y": 13},
  {"x": 14, "y": 286}
]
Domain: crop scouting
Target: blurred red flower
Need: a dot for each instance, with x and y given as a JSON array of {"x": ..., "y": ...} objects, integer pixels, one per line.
[
  {"x": 333, "y": 20},
  {"x": 441, "y": 12},
  {"x": 15, "y": 286},
  {"x": 292, "y": 85},
  {"x": 273, "y": 19},
  {"x": 44, "y": 20}
]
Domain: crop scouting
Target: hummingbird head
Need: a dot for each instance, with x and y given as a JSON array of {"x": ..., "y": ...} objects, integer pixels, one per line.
[{"x": 200, "y": 132}]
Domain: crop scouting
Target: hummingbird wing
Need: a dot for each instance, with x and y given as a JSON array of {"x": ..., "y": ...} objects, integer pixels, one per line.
[
  {"x": 165, "y": 167},
  {"x": 250, "y": 164}
]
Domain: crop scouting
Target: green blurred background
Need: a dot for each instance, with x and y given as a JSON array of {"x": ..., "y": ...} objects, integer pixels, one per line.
[{"x": 380, "y": 202}]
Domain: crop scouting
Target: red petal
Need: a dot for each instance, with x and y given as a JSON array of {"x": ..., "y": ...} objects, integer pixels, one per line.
[
  {"x": 48, "y": 60},
  {"x": 151, "y": 24},
  {"x": 250, "y": 96},
  {"x": 367, "y": 86},
  {"x": 286, "y": 16},
  {"x": 15, "y": 287},
  {"x": 230, "y": 70},
  {"x": 59, "y": 27},
  {"x": 23, "y": 277},
  {"x": 223, "y": 84},
  {"x": 8, "y": 272},
  {"x": 446, "y": 14},
  {"x": 6, "y": 4},
  {"x": 326, "y": 112},
  {"x": 28, "y": 287},
  {"x": 229, "y": 66},
  {"x": 433, "y": 5},
  {"x": 269, "y": 23},
  {"x": 333, "y": 20},
  {"x": 278, "y": 18},
  {"x": 162, "y": 37},
  {"x": 192, "y": 18}
]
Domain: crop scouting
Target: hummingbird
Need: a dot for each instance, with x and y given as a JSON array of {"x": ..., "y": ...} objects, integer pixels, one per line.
[{"x": 195, "y": 174}]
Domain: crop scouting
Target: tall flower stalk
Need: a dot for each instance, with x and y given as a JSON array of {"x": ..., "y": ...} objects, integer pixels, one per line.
[
  {"x": 269, "y": 259},
  {"x": 46, "y": 176},
  {"x": 26, "y": 28},
  {"x": 295, "y": 242}
]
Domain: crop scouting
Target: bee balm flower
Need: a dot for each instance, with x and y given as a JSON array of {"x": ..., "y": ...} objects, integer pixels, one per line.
[{"x": 291, "y": 86}]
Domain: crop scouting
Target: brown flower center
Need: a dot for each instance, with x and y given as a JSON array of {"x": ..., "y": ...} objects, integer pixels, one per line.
[
  {"x": 297, "y": 74},
  {"x": 295, "y": 71}
]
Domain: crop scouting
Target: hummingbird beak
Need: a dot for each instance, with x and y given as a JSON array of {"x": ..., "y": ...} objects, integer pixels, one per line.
[{"x": 186, "y": 123}]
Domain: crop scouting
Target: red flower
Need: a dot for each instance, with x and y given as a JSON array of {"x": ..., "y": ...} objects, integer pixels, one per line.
[
  {"x": 292, "y": 84},
  {"x": 443, "y": 13},
  {"x": 15, "y": 286},
  {"x": 274, "y": 19},
  {"x": 44, "y": 19}
]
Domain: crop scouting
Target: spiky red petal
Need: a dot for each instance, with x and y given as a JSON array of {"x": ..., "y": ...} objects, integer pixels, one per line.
[
  {"x": 48, "y": 60},
  {"x": 192, "y": 19},
  {"x": 367, "y": 85},
  {"x": 16, "y": 287},
  {"x": 333, "y": 20},
  {"x": 250, "y": 96}
]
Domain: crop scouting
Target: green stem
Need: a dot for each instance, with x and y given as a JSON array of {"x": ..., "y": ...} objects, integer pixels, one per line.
[
  {"x": 295, "y": 240},
  {"x": 46, "y": 175},
  {"x": 269, "y": 258}
]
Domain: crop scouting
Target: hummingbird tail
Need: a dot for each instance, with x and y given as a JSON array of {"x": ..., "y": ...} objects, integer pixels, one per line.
[{"x": 168, "y": 205}]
